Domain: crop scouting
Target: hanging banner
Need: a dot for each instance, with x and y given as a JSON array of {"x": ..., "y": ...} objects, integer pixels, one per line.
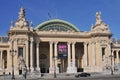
[{"x": 62, "y": 51}]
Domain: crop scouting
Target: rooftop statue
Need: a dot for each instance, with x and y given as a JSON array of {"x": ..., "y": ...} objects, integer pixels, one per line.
[
  {"x": 100, "y": 26},
  {"x": 21, "y": 13},
  {"x": 21, "y": 22},
  {"x": 98, "y": 18}
]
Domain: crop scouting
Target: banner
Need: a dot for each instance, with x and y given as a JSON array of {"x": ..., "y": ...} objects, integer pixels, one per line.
[{"x": 62, "y": 51}]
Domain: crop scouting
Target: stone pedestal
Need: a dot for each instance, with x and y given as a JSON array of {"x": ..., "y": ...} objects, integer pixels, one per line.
[
  {"x": 71, "y": 69},
  {"x": 57, "y": 70},
  {"x": 52, "y": 70},
  {"x": 93, "y": 69},
  {"x": 0, "y": 69},
  {"x": 34, "y": 74},
  {"x": 32, "y": 69},
  {"x": 38, "y": 69}
]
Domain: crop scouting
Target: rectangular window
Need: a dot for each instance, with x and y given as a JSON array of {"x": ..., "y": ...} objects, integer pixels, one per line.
[
  {"x": 103, "y": 52},
  {"x": 20, "y": 51}
]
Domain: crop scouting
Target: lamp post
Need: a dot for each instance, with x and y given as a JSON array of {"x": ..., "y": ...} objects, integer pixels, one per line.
[
  {"x": 111, "y": 56},
  {"x": 13, "y": 53},
  {"x": 54, "y": 58}
]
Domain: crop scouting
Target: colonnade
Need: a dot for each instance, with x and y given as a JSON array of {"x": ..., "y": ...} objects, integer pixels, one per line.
[
  {"x": 85, "y": 56},
  {"x": 117, "y": 59},
  {"x": 53, "y": 59},
  {"x": 71, "y": 68},
  {"x": 53, "y": 54},
  {"x": 71, "y": 60}
]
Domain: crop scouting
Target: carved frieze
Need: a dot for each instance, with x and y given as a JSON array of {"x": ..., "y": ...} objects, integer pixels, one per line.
[
  {"x": 21, "y": 41},
  {"x": 103, "y": 43}
]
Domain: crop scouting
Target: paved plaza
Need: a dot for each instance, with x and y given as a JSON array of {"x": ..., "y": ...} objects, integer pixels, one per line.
[{"x": 64, "y": 77}]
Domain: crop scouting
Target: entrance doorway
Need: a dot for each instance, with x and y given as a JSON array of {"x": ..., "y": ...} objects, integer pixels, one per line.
[
  {"x": 62, "y": 64},
  {"x": 20, "y": 72},
  {"x": 43, "y": 65}
]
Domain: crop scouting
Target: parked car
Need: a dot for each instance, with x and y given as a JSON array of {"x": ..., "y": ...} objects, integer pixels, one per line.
[{"x": 83, "y": 75}]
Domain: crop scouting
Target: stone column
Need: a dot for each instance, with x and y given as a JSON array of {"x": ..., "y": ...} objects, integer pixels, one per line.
[
  {"x": 69, "y": 70},
  {"x": 37, "y": 56},
  {"x": 15, "y": 47},
  {"x": 69, "y": 55},
  {"x": 85, "y": 55},
  {"x": 51, "y": 69},
  {"x": 0, "y": 60},
  {"x": 117, "y": 54},
  {"x": 27, "y": 53},
  {"x": 113, "y": 60},
  {"x": 31, "y": 56},
  {"x": 109, "y": 49},
  {"x": 55, "y": 56},
  {"x": 73, "y": 58},
  {"x": 24, "y": 52},
  {"x": 93, "y": 54}
]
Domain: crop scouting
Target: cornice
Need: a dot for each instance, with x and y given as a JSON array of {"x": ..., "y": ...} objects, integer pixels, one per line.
[{"x": 62, "y": 34}]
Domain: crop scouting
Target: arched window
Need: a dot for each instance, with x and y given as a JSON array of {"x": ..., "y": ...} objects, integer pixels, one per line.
[{"x": 56, "y": 24}]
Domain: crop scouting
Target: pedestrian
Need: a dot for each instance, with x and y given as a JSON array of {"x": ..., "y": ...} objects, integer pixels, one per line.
[{"x": 25, "y": 73}]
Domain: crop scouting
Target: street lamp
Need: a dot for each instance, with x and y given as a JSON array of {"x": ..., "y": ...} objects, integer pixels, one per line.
[
  {"x": 54, "y": 58},
  {"x": 13, "y": 53},
  {"x": 111, "y": 56}
]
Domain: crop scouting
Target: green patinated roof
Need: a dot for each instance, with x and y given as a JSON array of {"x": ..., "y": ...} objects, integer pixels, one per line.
[{"x": 56, "y": 22}]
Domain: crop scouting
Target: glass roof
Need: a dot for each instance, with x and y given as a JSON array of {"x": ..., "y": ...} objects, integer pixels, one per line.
[{"x": 56, "y": 24}]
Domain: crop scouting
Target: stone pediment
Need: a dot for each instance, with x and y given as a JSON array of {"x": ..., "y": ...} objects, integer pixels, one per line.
[
  {"x": 21, "y": 22},
  {"x": 102, "y": 27}
]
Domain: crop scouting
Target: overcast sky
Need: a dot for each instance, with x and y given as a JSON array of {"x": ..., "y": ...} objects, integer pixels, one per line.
[{"x": 81, "y": 13}]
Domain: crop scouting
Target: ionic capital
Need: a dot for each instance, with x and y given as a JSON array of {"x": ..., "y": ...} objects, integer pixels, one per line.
[
  {"x": 50, "y": 42},
  {"x": 37, "y": 42},
  {"x": 93, "y": 42},
  {"x": 85, "y": 43},
  {"x": 55, "y": 42},
  {"x": 117, "y": 51},
  {"x": 31, "y": 40},
  {"x": 113, "y": 51},
  {"x": 73, "y": 43},
  {"x": 68, "y": 43}
]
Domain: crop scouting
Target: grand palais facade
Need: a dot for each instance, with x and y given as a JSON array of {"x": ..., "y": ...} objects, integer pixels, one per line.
[{"x": 58, "y": 46}]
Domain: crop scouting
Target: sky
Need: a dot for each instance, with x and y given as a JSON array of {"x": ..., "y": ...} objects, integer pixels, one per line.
[{"x": 80, "y": 13}]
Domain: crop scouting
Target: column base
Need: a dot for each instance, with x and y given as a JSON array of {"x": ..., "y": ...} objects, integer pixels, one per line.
[
  {"x": 52, "y": 70},
  {"x": 93, "y": 69},
  {"x": 38, "y": 69},
  {"x": 0, "y": 69},
  {"x": 71, "y": 69},
  {"x": 34, "y": 74},
  {"x": 57, "y": 70},
  {"x": 32, "y": 69}
]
